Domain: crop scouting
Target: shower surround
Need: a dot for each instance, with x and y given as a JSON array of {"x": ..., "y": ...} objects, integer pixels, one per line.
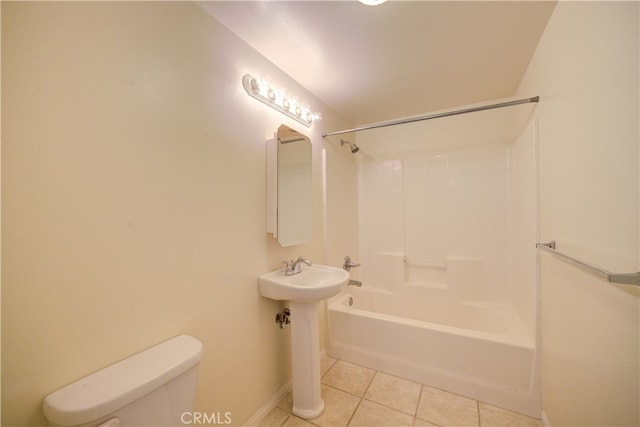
[{"x": 447, "y": 239}]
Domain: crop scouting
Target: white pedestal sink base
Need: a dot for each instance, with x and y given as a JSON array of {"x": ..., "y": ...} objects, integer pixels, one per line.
[
  {"x": 305, "y": 359},
  {"x": 304, "y": 291}
]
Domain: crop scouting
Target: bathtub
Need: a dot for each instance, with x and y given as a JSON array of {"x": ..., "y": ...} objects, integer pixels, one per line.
[{"x": 476, "y": 349}]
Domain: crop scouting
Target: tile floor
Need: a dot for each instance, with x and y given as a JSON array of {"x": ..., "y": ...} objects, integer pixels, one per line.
[{"x": 359, "y": 396}]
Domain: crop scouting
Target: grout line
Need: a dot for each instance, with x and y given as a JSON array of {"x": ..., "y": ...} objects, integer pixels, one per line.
[
  {"x": 342, "y": 391},
  {"x": 370, "y": 382},
  {"x": 415, "y": 412},
  {"x": 389, "y": 407},
  {"x": 329, "y": 368},
  {"x": 354, "y": 411}
]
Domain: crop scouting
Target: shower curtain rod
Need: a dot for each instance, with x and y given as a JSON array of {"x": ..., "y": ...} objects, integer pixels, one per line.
[{"x": 434, "y": 116}]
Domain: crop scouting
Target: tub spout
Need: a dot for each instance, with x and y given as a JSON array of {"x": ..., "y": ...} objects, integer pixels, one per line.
[{"x": 357, "y": 283}]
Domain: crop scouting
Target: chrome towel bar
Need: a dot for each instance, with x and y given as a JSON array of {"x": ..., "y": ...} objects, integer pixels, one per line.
[{"x": 624, "y": 278}]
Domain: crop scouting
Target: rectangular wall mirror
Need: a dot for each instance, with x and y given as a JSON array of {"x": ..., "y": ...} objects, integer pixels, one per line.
[{"x": 289, "y": 187}]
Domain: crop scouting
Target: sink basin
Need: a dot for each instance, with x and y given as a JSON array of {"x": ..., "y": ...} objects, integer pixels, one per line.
[{"x": 314, "y": 283}]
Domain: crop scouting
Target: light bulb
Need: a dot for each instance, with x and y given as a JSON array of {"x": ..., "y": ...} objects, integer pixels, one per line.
[
  {"x": 372, "y": 2},
  {"x": 255, "y": 86}
]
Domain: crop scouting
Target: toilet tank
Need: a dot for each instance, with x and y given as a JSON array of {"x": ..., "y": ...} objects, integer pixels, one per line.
[{"x": 151, "y": 388}]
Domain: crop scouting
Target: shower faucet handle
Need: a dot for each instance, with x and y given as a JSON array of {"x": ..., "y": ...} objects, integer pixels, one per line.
[{"x": 348, "y": 264}]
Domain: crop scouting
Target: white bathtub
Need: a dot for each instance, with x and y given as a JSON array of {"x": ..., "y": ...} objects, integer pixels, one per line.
[{"x": 478, "y": 350}]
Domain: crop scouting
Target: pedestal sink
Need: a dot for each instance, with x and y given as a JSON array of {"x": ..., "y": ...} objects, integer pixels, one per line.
[{"x": 304, "y": 290}]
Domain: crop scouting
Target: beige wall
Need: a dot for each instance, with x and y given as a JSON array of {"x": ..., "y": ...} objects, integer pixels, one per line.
[
  {"x": 586, "y": 72},
  {"x": 133, "y": 193}
]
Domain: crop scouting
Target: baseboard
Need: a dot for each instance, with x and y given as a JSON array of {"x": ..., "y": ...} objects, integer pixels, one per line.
[
  {"x": 270, "y": 404},
  {"x": 544, "y": 419}
]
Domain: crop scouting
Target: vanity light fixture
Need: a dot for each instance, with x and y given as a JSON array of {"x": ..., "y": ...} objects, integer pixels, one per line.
[
  {"x": 372, "y": 2},
  {"x": 260, "y": 90}
]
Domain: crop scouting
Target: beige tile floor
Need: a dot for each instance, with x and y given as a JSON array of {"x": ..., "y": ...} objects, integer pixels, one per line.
[{"x": 358, "y": 396}]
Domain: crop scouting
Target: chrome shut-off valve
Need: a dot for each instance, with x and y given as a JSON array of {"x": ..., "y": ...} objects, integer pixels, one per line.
[
  {"x": 348, "y": 264},
  {"x": 282, "y": 318}
]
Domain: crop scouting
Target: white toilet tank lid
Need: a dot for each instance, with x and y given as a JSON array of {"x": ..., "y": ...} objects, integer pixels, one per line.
[{"x": 124, "y": 382}]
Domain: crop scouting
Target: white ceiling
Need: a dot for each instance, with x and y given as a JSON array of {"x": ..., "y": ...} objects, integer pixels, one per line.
[{"x": 401, "y": 58}]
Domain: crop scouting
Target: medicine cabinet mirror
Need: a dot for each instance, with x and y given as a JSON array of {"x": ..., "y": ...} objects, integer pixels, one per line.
[{"x": 289, "y": 187}]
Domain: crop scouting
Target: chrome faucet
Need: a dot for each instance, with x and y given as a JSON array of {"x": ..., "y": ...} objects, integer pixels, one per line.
[{"x": 293, "y": 267}]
